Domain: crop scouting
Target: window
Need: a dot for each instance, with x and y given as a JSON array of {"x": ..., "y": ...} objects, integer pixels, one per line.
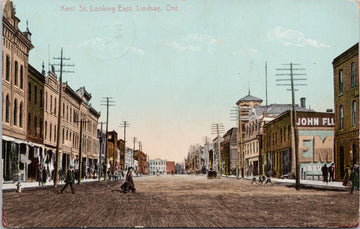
[
  {"x": 16, "y": 73},
  {"x": 29, "y": 95},
  {"x": 45, "y": 133},
  {"x": 35, "y": 94},
  {"x": 21, "y": 113},
  {"x": 353, "y": 75},
  {"x": 55, "y": 134},
  {"x": 41, "y": 128},
  {"x": 341, "y": 117},
  {"x": 21, "y": 77},
  {"x": 354, "y": 113},
  {"x": 29, "y": 122},
  {"x": 50, "y": 103},
  {"x": 7, "y": 68},
  {"x": 7, "y": 109},
  {"x": 63, "y": 106},
  {"x": 50, "y": 130},
  {"x": 41, "y": 98},
  {"x": 15, "y": 112},
  {"x": 67, "y": 112},
  {"x": 63, "y": 135},
  {"x": 35, "y": 126},
  {"x": 46, "y": 100},
  {"x": 55, "y": 105},
  {"x": 341, "y": 89}
]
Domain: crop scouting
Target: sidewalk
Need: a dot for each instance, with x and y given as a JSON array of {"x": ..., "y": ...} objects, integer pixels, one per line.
[
  {"x": 315, "y": 184},
  {"x": 11, "y": 186}
]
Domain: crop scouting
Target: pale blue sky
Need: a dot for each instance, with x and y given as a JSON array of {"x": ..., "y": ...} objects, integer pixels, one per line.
[{"x": 173, "y": 74}]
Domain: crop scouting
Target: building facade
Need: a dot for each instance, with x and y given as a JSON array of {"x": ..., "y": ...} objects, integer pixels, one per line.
[
  {"x": 170, "y": 167},
  {"x": 157, "y": 166},
  {"x": 15, "y": 53},
  {"x": 346, "y": 100},
  {"x": 35, "y": 122},
  {"x": 141, "y": 158},
  {"x": 315, "y": 148}
]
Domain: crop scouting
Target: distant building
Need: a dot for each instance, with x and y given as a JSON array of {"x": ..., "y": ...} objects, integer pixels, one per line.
[
  {"x": 346, "y": 100},
  {"x": 157, "y": 166},
  {"x": 142, "y": 161},
  {"x": 230, "y": 151},
  {"x": 170, "y": 167},
  {"x": 129, "y": 158}
]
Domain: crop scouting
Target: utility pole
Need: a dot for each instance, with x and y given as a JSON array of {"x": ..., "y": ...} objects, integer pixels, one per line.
[
  {"x": 124, "y": 125},
  {"x": 293, "y": 121},
  {"x": 61, "y": 58},
  {"x": 266, "y": 92},
  {"x": 235, "y": 117},
  {"x": 135, "y": 140},
  {"x": 108, "y": 103},
  {"x": 216, "y": 129},
  {"x": 241, "y": 144},
  {"x": 80, "y": 147},
  {"x": 100, "y": 165}
]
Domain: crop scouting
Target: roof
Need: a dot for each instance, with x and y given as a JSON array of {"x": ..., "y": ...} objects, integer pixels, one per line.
[
  {"x": 249, "y": 98},
  {"x": 274, "y": 110}
]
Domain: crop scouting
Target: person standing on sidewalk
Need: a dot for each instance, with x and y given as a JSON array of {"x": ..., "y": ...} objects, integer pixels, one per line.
[
  {"x": 44, "y": 176},
  {"x": 331, "y": 172},
  {"x": 354, "y": 179},
  {"x": 39, "y": 174},
  {"x": 346, "y": 180},
  {"x": 69, "y": 180},
  {"x": 325, "y": 173}
]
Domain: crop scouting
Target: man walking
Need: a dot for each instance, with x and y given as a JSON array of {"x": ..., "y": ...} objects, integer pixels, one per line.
[
  {"x": 324, "y": 170},
  {"x": 331, "y": 172},
  {"x": 69, "y": 180}
]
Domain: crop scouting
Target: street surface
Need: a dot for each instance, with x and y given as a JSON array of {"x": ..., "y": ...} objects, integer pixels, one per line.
[{"x": 181, "y": 201}]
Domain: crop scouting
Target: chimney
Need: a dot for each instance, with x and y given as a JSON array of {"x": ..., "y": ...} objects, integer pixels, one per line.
[
  {"x": 302, "y": 102},
  {"x": 329, "y": 110}
]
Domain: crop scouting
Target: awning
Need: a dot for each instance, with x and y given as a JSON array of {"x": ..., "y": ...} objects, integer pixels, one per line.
[{"x": 11, "y": 139}]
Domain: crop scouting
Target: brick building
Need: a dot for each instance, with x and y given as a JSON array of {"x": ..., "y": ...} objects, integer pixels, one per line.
[
  {"x": 35, "y": 122},
  {"x": 16, "y": 46},
  {"x": 141, "y": 158},
  {"x": 316, "y": 133},
  {"x": 346, "y": 100},
  {"x": 170, "y": 167}
]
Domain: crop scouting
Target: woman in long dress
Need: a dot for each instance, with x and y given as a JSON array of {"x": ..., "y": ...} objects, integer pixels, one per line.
[{"x": 129, "y": 183}]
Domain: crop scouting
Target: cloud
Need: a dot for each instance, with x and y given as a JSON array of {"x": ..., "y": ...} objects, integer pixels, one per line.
[
  {"x": 195, "y": 42},
  {"x": 246, "y": 51},
  {"x": 137, "y": 51},
  {"x": 176, "y": 45},
  {"x": 296, "y": 38}
]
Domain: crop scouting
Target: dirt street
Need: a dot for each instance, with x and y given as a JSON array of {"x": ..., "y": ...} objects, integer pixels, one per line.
[{"x": 181, "y": 201}]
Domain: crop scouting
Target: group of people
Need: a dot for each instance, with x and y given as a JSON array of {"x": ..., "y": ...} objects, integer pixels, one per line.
[
  {"x": 127, "y": 186},
  {"x": 328, "y": 173}
]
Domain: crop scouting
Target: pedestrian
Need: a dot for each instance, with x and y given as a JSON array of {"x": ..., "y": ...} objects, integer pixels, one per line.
[
  {"x": 44, "y": 176},
  {"x": 69, "y": 180},
  {"x": 129, "y": 183},
  {"x": 346, "y": 179},
  {"x": 108, "y": 173},
  {"x": 325, "y": 173},
  {"x": 354, "y": 179},
  {"x": 331, "y": 172},
  {"x": 39, "y": 174}
]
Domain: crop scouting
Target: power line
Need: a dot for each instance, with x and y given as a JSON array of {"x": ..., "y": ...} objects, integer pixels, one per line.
[
  {"x": 108, "y": 103},
  {"x": 61, "y": 58},
  {"x": 292, "y": 89}
]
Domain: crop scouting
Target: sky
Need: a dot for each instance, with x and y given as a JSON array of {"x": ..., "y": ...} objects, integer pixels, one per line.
[{"x": 175, "y": 71}]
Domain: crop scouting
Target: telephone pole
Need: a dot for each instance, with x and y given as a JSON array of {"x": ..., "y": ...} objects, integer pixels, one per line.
[
  {"x": 124, "y": 125},
  {"x": 108, "y": 103},
  {"x": 293, "y": 121},
  {"x": 61, "y": 58},
  {"x": 80, "y": 147},
  {"x": 218, "y": 128},
  {"x": 100, "y": 165}
]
